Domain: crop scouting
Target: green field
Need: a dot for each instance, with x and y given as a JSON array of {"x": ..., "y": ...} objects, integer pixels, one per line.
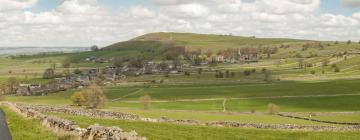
[
  {"x": 316, "y": 89},
  {"x": 164, "y": 131},
  {"x": 27, "y": 129}
]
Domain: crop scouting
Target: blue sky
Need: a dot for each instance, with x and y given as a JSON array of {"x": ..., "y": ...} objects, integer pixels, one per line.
[{"x": 335, "y": 7}]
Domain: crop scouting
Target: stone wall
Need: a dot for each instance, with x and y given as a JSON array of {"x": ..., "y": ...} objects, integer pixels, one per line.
[
  {"x": 66, "y": 127},
  {"x": 125, "y": 116},
  {"x": 284, "y": 126},
  {"x": 82, "y": 112},
  {"x": 316, "y": 120}
]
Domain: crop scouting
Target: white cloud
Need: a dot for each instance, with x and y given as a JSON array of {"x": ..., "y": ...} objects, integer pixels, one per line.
[
  {"x": 86, "y": 22},
  {"x": 16, "y": 4}
]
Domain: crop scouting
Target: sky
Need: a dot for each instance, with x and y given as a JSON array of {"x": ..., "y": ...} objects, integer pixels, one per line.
[{"x": 103, "y": 22}]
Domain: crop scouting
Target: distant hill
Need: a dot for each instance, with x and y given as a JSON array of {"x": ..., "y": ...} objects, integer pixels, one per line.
[{"x": 195, "y": 41}]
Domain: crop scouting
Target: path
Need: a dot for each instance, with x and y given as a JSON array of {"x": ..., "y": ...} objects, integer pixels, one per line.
[
  {"x": 246, "y": 98},
  {"x": 127, "y": 95},
  {"x": 4, "y": 129}
]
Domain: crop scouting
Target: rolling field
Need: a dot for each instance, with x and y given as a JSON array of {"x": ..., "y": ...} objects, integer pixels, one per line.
[
  {"x": 315, "y": 89},
  {"x": 164, "y": 131}
]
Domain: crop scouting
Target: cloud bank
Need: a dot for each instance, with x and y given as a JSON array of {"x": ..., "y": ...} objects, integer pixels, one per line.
[{"x": 86, "y": 22}]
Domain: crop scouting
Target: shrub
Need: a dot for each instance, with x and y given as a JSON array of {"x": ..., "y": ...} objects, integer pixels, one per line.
[
  {"x": 78, "y": 98},
  {"x": 267, "y": 74},
  {"x": 253, "y": 111},
  {"x": 247, "y": 72},
  {"x": 336, "y": 69},
  {"x": 348, "y": 42},
  {"x": 146, "y": 101},
  {"x": 273, "y": 109},
  {"x": 227, "y": 74},
  {"x": 232, "y": 74},
  {"x": 186, "y": 73},
  {"x": 313, "y": 72},
  {"x": 49, "y": 73}
]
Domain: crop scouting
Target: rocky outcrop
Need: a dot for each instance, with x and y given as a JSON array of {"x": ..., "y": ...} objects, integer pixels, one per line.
[{"x": 66, "y": 127}]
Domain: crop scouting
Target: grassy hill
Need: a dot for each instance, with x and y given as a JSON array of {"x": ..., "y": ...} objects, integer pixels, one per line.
[{"x": 195, "y": 41}]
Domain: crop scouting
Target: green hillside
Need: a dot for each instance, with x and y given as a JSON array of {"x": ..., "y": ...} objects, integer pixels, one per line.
[{"x": 195, "y": 41}]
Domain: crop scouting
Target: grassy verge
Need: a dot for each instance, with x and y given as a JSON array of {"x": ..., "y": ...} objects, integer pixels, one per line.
[{"x": 27, "y": 129}]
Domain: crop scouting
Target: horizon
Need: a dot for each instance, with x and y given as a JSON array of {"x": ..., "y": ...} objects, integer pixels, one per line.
[{"x": 104, "y": 22}]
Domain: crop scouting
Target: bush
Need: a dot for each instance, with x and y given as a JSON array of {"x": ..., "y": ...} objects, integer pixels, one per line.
[
  {"x": 273, "y": 109},
  {"x": 49, "y": 73},
  {"x": 267, "y": 74},
  {"x": 336, "y": 69},
  {"x": 78, "y": 98},
  {"x": 313, "y": 72},
  {"x": 247, "y": 72},
  {"x": 232, "y": 74},
  {"x": 227, "y": 74}
]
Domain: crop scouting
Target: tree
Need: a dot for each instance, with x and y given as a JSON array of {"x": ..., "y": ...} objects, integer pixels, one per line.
[
  {"x": 78, "y": 98},
  {"x": 66, "y": 64},
  {"x": 336, "y": 69},
  {"x": 273, "y": 109},
  {"x": 187, "y": 73},
  {"x": 267, "y": 74},
  {"x": 53, "y": 66},
  {"x": 325, "y": 62},
  {"x": 302, "y": 63},
  {"x": 94, "y": 96},
  {"x": 200, "y": 71},
  {"x": 11, "y": 84},
  {"x": 49, "y": 73},
  {"x": 77, "y": 71},
  {"x": 146, "y": 101},
  {"x": 94, "y": 48},
  {"x": 348, "y": 42},
  {"x": 227, "y": 74}
]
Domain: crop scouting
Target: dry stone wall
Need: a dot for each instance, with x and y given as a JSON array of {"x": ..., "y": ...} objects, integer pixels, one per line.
[
  {"x": 66, "y": 127},
  {"x": 316, "y": 120},
  {"x": 126, "y": 116}
]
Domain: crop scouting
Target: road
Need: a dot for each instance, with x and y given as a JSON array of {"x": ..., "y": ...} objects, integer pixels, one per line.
[{"x": 4, "y": 130}]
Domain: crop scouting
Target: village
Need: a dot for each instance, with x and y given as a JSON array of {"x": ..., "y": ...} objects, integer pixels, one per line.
[{"x": 120, "y": 69}]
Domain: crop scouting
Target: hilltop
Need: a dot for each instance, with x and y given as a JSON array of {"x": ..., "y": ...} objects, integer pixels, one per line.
[{"x": 194, "y": 41}]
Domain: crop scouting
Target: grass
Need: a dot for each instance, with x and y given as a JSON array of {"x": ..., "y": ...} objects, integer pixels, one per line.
[
  {"x": 164, "y": 131},
  {"x": 27, "y": 129},
  {"x": 217, "y": 116},
  {"x": 249, "y": 91},
  {"x": 241, "y": 90}
]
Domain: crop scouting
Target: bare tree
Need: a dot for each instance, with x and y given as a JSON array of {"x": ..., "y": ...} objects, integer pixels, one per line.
[
  {"x": 273, "y": 109},
  {"x": 11, "y": 84},
  {"x": 49, "y": 73},
  {"x": 146, "y": 101},
  {"x": 94, "y": 96}
]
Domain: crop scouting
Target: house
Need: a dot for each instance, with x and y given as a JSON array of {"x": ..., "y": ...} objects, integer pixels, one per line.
[{"x": 247, "y": 55}]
